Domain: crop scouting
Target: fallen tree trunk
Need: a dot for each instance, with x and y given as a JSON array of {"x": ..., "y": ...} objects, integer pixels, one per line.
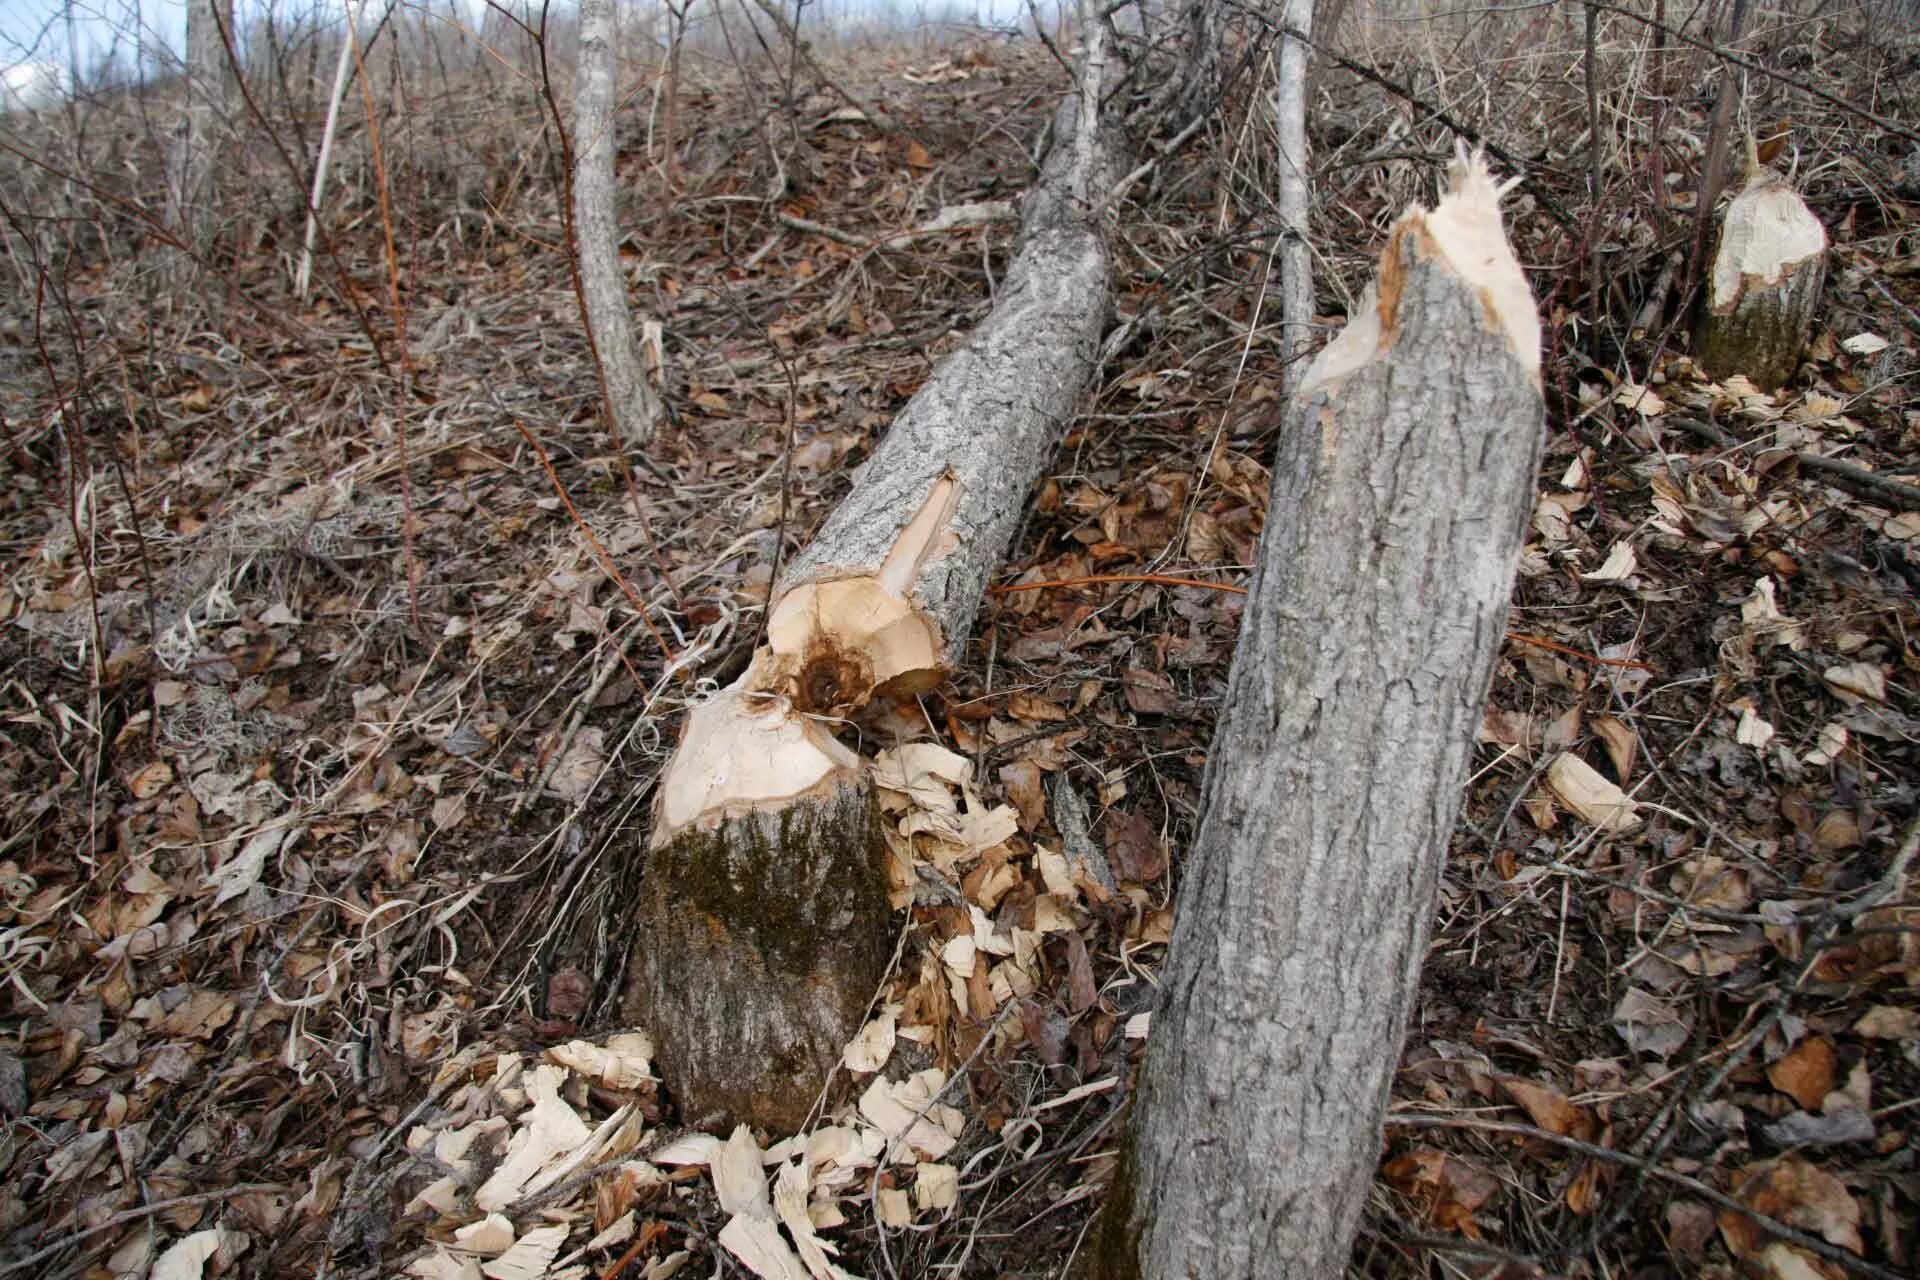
[
  {"x": 1399, "y": 498},
  {"x": 763, "y": 911}
]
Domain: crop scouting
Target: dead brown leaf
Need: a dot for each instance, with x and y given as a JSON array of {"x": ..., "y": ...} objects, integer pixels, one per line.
[
  {"x": 1446, "y": 1188},
  {"x": 1806, "y": 1073},
  {"x": 1134, "y": 848},
  {"x": 1797, "y": 1193},
  {"x": 1149, "y": 692},
  {"x": 1622, "y": 744}
]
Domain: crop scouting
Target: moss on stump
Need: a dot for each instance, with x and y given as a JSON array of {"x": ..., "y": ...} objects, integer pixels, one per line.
[{"x": 761, "y": 941}]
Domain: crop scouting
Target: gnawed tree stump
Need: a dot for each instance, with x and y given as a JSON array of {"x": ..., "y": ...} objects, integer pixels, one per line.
[
  {"x": 1400, "y": 495},
  {"x": 764, "y": 925},
  {"x": 1767, "y": 272}
]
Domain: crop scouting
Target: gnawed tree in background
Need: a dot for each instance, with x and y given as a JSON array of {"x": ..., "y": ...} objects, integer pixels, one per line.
[
  {"x": 1765, "y": 284},
  {"x": 1399, "y": 498},
  {"x": 193, "y": 157},
  {"x": 632, "y": 408},
  {"x": 764, "y": 924}
]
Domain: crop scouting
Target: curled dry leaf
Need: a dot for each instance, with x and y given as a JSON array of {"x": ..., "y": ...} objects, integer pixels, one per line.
[
  {"x": 1596, "y": 801},
  {"x": 1620, "y": 564},
  {"x": 1548, "y": 1108},
  {"x": 1622, "y": 744}
]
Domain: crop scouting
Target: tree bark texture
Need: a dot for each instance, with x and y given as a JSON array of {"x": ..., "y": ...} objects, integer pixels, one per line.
[
  {"x": 1293, "y": 190},
  {"x": 1399, "y": 500},
  {"x": 1765, "y": 285},
  {"x": 632, "y": 408},
  {"x": 764, "y": 925},
  {"x": 194, "y": 155}
]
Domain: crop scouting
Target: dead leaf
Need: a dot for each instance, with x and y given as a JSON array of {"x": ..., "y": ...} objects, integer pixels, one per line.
[
  {"x": 1619, "y": 565},
  {"x": 1134, "y": 847},
  {"x": 150, "y": 779},
  {"x": 1149, "y": 692},
  {"x": 1548, "y": 1108},
  {"x": 1649, "y": 1025},
  {"x": 1622, "y": 744},
  {"x": 1021, "y": 779},
  {"x": 1863, "y": 679},
  {"x": 1596, "y": 801},
  {"x": 186, "y": 1259},
  {"x": 1797, "y": 1193},
  {"x": 1806, "y": 1072},
  {"x": 1888, "y": 1022},
  {"x": 1447, "y": 1188},
  {"x": 1032, "y": 709}
]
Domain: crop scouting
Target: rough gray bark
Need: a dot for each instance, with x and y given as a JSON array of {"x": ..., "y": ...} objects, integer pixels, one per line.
[
  {"x": 1765, "y": 285},
  {"x": 764, "y": 925},
  {"x": 632, "y": 408},
  {"x": 1399, "y": 498},
  {"x": 194, "y": 154},
  {"x": 991, "y": 415}
]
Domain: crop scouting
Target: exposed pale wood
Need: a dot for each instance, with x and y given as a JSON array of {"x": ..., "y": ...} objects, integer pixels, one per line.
[
  {"x": 1400, "y": 495},
  {"x": 764, "y": 917},
  {"x": 1767, "y": 273},
  {"x": 631, "y": 404}
]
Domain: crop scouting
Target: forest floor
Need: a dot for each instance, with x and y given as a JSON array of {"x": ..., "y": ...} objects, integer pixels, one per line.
[{"x": 327, "y": 737}]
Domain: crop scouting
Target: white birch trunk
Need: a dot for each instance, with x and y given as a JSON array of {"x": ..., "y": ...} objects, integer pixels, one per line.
[
  {"x": 194, "y": 155},
  {"x": 764, "y": 919},
  {"x": 632, "y": 408},
  {"x": 1400, "y": 494}
]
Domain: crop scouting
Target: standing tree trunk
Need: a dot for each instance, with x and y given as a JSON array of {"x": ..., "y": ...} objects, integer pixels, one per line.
[
  {"x": 194, "y": 156},
  {"x": 1399, "y": 498},
  {"x": 632, "y": 408},
  {"x": 764, "y": 918},
  {"x": 1764, "y": 286},
  {"x": 1294, "y": 195}
]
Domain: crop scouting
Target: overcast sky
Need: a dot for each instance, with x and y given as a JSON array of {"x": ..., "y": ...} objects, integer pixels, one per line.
[{"x": 37, "y": 30}]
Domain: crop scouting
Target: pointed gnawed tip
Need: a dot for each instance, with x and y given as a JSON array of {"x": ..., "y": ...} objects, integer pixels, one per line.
[{"x": 1466, "y": 228}]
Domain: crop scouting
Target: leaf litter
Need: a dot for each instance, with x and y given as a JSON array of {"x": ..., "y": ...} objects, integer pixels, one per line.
[{"x": 329, "y": 917}]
